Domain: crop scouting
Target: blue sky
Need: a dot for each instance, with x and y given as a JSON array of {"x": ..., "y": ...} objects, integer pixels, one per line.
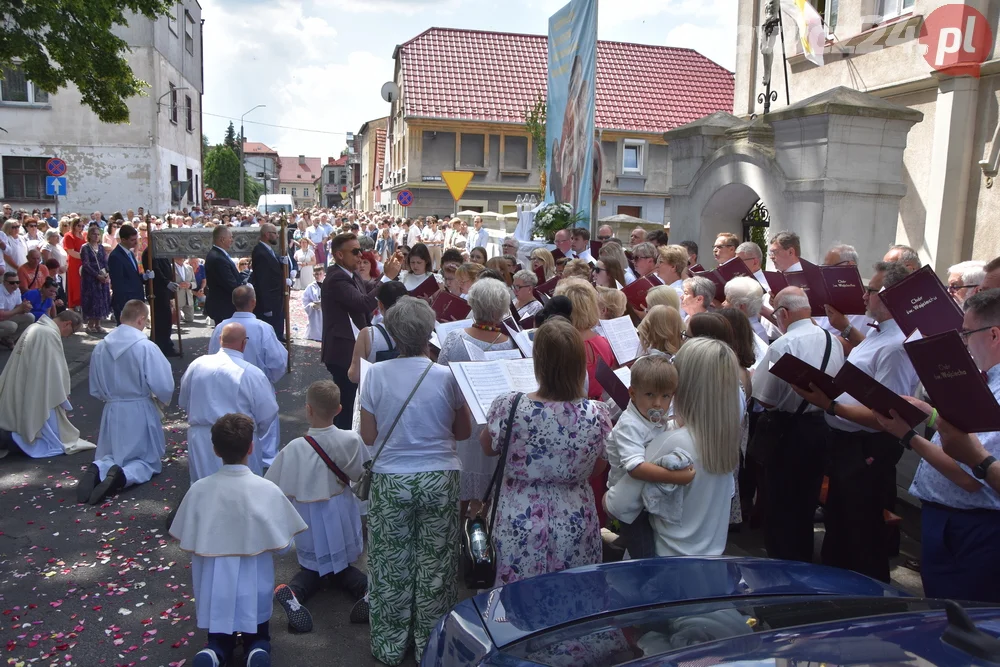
[{"x": 319, "y": 65}]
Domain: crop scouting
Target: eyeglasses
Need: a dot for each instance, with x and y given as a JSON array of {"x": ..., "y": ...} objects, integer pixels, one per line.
[
  {"x": 779, "y": 309},
  {"x": 724, "y": 245},
  {"x": 636, "y": 258},
  {"x": 872, "y": 290},
  {"x": 685, "y": 335},
  {"x": 965, "y": 334},
  {"x": 597, "y": 269},
  {"x": 520, "y": 287},
  {"x": 603, "y": 238},
  {"x": 952, "y": 289}
]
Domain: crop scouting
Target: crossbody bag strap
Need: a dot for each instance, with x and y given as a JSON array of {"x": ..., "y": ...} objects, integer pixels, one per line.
[
  {"x": 822, "y": 368},
  {"x": 496, "y": 483},
  {"x": 427, "y": 370},
  {"x": 385, "y": 335},
  {"x": 334, "y": 468}
]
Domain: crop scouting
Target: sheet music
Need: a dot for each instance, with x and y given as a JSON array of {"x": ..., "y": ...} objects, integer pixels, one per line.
[
  {"x": 483, "y": 381},
  {"x": 522, "y": 375},
  {"x": 625, "y": 375},
  {"x": 503, "y": 354},
  {"x": 475, "y": 354},
  {"x": 521, "y": 340},
  {"x": 444, "y": 328},
  {"x": 624, "y": 340}
]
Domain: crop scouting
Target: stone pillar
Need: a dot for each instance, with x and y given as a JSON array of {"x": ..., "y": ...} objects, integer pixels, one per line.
[{"x": 950, "y": 169}]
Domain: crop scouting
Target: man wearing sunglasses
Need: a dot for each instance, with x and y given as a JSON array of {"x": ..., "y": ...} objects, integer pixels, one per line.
[{"x": 15, "y": 313}]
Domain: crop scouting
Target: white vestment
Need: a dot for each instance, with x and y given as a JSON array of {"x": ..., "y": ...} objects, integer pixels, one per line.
[
  {"x": 312, "y": 296},
  {"x": 34, "y": 394},
  {"x": 127, "y": 371},
  {"x": 263, "y": 349},
  {"x": 219, "y": 384}
]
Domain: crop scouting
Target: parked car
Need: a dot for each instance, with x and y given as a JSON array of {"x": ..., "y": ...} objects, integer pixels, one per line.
[{"x": 710, "y": 611}]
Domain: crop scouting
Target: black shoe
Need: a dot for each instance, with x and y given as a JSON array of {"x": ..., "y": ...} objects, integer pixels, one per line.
[
  {"x": 112, "y": 484},
  {"x": 86, "y": 485},
  {"x": 299, "y": 618},
  {"x": 360, "y": 611}
]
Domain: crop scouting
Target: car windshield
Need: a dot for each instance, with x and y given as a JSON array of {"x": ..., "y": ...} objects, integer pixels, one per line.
[
  {"x": 275, "y": 208},
  {"x": 635, "y": 635}
]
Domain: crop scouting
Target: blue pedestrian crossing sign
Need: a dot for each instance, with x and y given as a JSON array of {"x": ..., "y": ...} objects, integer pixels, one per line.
[{"x": 55, "y": 186}]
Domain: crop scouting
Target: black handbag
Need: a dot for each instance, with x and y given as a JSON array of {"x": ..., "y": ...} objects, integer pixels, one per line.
[{"x": 478, "y": 556}]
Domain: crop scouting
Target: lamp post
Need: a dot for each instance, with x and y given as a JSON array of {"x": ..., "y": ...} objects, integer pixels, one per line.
[{"x": 243, "y": 141}]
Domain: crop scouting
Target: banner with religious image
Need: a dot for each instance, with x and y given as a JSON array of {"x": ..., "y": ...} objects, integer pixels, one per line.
[{"x": 569, "y": 128}]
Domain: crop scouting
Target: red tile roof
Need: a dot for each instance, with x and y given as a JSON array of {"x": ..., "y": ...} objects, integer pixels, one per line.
[
  {"x": 494, "y": 76},
  {"x": 256, "y": 147},
  {"x": 292, "y": 171},
  {"x": 339, "y": 162},
  {"x": 379, "y": 163}
]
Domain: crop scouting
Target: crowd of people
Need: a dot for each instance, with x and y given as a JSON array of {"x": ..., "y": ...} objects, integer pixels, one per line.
[{"x": 708, "y": 437}]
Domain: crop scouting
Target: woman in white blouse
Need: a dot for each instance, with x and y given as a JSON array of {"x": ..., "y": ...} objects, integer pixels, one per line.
[
  {"x": 52, "y": 249},
  {"x": 305, "y": 257},
  {"x": 524, "y": 286},
  {"x": 418, "y": 264}
]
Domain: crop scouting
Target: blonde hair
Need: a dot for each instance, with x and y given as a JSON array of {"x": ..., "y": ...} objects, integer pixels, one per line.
[
  {"x": 661, "y": 329},
  {"x": 576, "y": 268},
  {"x": 560, "y": 360},
  {"x": 583, "y": 296},
  {"x": 469, "y": 271},
  {"x": 663, "y": 295},
  {"x": 675, "y": 256},
  {"x": 324, "y": 397},
  {"x": 708, "y": 401},
  {"x": 611, "y": 301},
  {"x": 548, "y": 263},
  {"x": 499, "y": 264}
]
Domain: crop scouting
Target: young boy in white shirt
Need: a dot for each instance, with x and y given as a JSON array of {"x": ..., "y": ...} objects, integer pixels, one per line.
[
  {"x": 231, "y": 522},
  {"x": 654, "y": 383},
  {"x": 315, "y": 472}
]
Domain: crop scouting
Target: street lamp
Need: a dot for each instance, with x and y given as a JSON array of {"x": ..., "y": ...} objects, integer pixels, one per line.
[
  {"x": 169, "y": 92},
  {"x": 243, "y": 141}
]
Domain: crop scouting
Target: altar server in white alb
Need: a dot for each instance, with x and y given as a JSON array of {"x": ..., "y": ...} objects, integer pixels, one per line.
[
  {"x": 34, "y": 391},
  {"x": 232, "y": 522},
  {"x": 314, "y": 309},
  {"x": 129, "y": 373},
  {"x": 221, "y": 383},
  {"x": 318, "y": 484},
  {"x": 264, "y": 350}
]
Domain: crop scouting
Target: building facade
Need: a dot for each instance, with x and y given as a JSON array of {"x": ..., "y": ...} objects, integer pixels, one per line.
[
  {"x": 463, "y": 99},
  {"x": 261, "y": 163},
  {"x": 950, "y": 210},
  {"x": 297, "y": 177},
  {"x": 146, "y": 162},
  {"x": 367, "y": 163},
  {"x": 332, "y": 188}
]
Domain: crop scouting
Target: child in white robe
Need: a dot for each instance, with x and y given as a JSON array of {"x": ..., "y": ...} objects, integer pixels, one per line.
[
  {"x": 231, "y": 522},
  {"x": 311, "y": 301},
  {"x": 324, "y": 499}
]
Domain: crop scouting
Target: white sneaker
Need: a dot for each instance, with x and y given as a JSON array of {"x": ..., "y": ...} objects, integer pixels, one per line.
[
  {"x": 205, "y": 658},
  {"x": 259, "y": 658}
]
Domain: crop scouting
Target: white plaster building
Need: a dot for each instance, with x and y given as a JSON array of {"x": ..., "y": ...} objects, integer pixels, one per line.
[{"x": 113, "y": 167}]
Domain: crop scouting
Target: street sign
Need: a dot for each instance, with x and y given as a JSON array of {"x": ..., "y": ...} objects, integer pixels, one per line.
[
  {"x": 405, "y": 198},
  {"x": 209, "y": 193},
  {"x": 56, "y": 167},
  {"x": 55, "y": 186},
  {"x": 457, "y": 181}
]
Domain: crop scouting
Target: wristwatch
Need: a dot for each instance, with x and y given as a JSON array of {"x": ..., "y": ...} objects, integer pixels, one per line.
[
  {"x": 845, "y": 334},
  {"x": 832, "y": 409},
  {"x": 980, "y": 470},
  {"x": 907, "y": 438}
]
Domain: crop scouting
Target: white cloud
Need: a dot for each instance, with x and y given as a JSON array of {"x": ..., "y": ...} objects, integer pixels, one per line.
[{"x": 407, "y": 7}]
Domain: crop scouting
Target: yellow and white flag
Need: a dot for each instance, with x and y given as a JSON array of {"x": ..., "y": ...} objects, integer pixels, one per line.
[{"x": 812, "y": 33}]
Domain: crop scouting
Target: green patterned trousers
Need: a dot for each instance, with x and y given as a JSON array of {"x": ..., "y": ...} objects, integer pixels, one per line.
[{"x": 412, "y": 558}]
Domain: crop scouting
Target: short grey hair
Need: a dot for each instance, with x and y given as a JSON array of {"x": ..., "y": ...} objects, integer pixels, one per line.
[
  {"x": 645, "y": 249},
  {"x": 907, "y": 255},
  {"x": 894, "y": 272},
  {"x": 410, "y": 322},
  {"x": 490, "y": 300},
  {"x": 750, "y": 248},
  {"x": 52, "y": 232},
  {"x": 846, "y": 253},
  {"x": 791, "y": 302},
  {"x": 702, "y": 287},
  {"x": 513, "y": 241},
  {"x": 972, "y": 272},
  {"x": 528, "y": 277},
  {"x": 366, "y": 243},
  {"x": 745, "y": 292}
]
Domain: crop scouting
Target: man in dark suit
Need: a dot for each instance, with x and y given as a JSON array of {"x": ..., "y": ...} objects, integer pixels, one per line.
[
  {"x": 126, "y": 281},
  {"x": 346, "y": 297},
  {"x": 221, "y": 276},
  {"x": 162, "y": 296},
  {"x": 268, "y": 280}
]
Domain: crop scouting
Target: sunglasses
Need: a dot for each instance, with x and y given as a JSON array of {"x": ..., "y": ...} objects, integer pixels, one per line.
[
  {"x": 603, "y": 238},
  {"x": 356, "y": 252},
  {"x": 11, "y": 282}
]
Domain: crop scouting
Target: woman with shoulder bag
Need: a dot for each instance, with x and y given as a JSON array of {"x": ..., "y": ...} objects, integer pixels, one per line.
[{"x": 412, "y": 413}]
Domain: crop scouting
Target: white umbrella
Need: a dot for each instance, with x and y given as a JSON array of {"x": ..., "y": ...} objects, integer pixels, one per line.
[{"x": 624, "y": 219}]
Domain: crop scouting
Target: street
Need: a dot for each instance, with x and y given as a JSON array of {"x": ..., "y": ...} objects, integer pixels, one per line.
[{"x": 107, "y": 585}]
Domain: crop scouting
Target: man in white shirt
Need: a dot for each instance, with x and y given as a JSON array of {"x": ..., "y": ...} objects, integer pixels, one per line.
[
  {"x": 835, "y": 322},
  {"x": 964, "y": 278},
  {"x": 751, "y": 255},
  {"x": 478, "y": 237},
  {"x": 263, "y": 348},
  {"x": 862, "y": 467},
  {"x": 637, "y": 236},
  {"x": 128, "y": 372},
  {"x": 413, "y": 236},
  {"x": 564, "y": 244},
  {"x": 15, "y": 312},
  {"x": 790, "y": 438},
  {"x": 905, "y": 255},
  {"x": 580, "y": 244},
  {"x": 725, "y": 247},
  {"x": 219, "y": 384},
  {"x": 785, "y": 252}
]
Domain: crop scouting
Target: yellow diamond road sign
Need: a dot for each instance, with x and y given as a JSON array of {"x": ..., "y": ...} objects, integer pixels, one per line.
[{"x": 457, "y": 181}]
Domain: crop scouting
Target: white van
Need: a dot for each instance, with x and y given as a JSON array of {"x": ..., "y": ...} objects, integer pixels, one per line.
[{"x": 268, "y": 204}]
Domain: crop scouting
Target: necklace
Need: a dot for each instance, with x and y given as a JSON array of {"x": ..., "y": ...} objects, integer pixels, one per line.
[{"x": 485, "y": 326}]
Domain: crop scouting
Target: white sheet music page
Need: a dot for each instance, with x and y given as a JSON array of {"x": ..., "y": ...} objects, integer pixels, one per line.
[{"x": 623, "y": 338}]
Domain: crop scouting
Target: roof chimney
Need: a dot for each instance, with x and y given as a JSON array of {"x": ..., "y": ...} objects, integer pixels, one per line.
[
  {"x": 302, "y": 160},
  {"x": 330, "y": 160}
]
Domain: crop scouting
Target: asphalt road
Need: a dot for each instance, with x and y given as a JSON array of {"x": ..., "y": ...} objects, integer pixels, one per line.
[{"x": 106, "y": 585}]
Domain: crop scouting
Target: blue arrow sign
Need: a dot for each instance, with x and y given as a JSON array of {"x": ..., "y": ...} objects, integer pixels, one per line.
[{"x": 55, "y": 186}]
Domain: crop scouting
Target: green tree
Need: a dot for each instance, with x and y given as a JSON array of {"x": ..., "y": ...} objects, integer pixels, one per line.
[
  {"x": 205, "y": 145},
  {"x": 534, "y": 117},
  {"x": 230, "y": 140},
  {"x": 222, "y": 174},
  {"x": 59, "y": 42}
]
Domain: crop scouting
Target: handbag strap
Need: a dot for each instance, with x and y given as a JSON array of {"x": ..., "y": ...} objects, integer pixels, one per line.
[
  {"x": 822, "y": 368},
  {"x": 497, "y": 479},
  {"x": 371, "y": 464},
  {"x": 334, "y": 468}
]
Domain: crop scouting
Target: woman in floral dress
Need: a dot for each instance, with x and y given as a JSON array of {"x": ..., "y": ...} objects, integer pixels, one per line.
[
  {"x": 546, "y": 518},
  {"x": 95, "y": 283}
]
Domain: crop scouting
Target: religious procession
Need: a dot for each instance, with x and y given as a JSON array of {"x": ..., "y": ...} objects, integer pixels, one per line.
[{"x": 584, "y": 352}]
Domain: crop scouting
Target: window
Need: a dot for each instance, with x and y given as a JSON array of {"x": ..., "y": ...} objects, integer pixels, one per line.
[
  {"x": 16, "y": 88},
  {"x": 189, "y": 113},
  {"x": 175, "y": 197},
  {"x": 332, "y": 179},
  {"x": 632, "y": 157},
  {"x": 24, "y": 177},
  {"x": 172, "y": 19},
  {"x": 284, "y": 191},
  {"x": 188, "y": 33},
  {"x": 293, "y": 192},
  {"x": 634, "y": 211},
  {"x": 305, "y": 192},
  {"x": 190, "y": 181},
  {"x": 173, "y": 104},
  {"x": 888, "y": 9},
  {"x": 827, "y": 9},
  {"x": 472, "y": 150},
  {"x": 515, "y": 153},
  {"x": 343, "y": 178}
]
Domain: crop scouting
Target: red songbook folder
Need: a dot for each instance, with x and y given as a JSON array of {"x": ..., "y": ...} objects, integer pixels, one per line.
[
  {"x": 612, "y": 384},
  {"x": 511, "y": 323},
  {"x": 796, "y": 372},
  {"x": 540, "y": 274},
  {"x": 874, "y": 395},
  {"x": 955, "y": 386},
  {"x": 734, "y": 268},
  {"x": 696, "y": 268},
  {"x": 845, "y": 291},
  {"x": 527, "y": 323},
  {"x": 595, "y": 249},
  {"x": 920, "y": 301},
  {"x": 557, "y": 254},
  {"x": 547, "y": 288},
  {"x": 450, "y": 308},
  {"x": 776, "y": 281},
  {"x": 513, "y": 312},
  {"x": 426, "y": 289},
  {"x": 636, "y": 292}
]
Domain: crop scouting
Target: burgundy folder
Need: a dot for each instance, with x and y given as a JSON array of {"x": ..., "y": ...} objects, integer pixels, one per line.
[
  {"x": 776, "y": 281},
  {"x": 426, "y": 289},
  {"x": 540, "y": 274},
  {"x": 874, "y": 395},
  {"x": 450, "y": 308},
  {"x": 734, "y": 268},
  {"x": 845, "y": 291},
  {"x": 796, "y": 372},
  {"x": 955, "y": 386},
  {"x": 547, "y": 288},
  {"x": 557, "y": 254},
  {"x": 527, "y": 323},
  {"x": 696, "y": 268},
  {"x": 595, "y": 249},
  {"x": 920, "y": 301},
  {"x": 612, "y": 384},
  {"x": 636, "y": 292}
]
